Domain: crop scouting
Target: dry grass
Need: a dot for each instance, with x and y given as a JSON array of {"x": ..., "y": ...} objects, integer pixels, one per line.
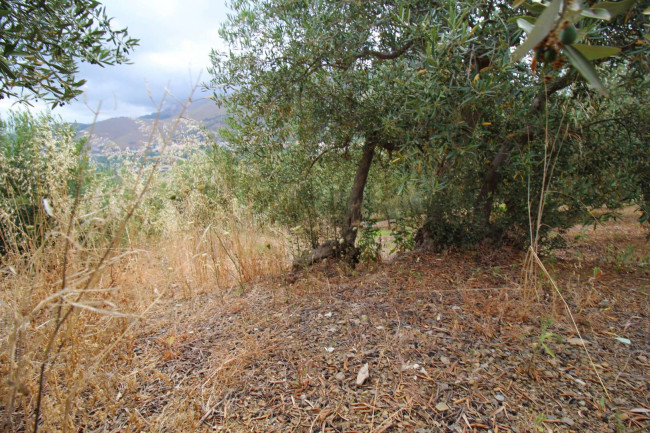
[
  {"x": 104, "y": 304},
  {"x": 258, "y": 361},
  {"x": 72, "y": 302},
  {"x": 198, "y": 353}
]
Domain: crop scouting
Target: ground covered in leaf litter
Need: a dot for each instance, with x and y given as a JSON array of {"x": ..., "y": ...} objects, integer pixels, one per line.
[{"x": 453, "y": 342}]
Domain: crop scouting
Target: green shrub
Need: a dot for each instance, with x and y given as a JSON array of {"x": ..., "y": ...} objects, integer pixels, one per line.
[{"x": 40, "y": 158}]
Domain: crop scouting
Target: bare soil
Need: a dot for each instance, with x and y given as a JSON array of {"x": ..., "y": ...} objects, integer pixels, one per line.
[{"x": 454, "y": 342}]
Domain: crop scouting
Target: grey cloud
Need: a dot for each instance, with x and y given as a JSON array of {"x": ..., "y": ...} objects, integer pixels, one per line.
[
  {"x": 124, "y": 86},
  {"x": 190, "y": 30}
]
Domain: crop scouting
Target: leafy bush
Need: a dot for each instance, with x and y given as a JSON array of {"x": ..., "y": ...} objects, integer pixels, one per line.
[
  {"x": 40, "y": 159},
  {"x": 404, "y": 231},
  {"x": 369, "y": 242}
]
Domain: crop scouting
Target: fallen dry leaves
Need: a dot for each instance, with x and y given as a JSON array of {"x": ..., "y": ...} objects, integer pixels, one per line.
[{"x": 426, "y": 343}]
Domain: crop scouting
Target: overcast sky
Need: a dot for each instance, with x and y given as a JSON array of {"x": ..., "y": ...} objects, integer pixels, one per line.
[{"x": 176, "y": 37}]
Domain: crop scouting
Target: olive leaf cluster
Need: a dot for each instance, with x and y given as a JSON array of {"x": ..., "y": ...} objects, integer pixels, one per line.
[
  {"x": 563, "y": 29},
  {"x": 41, "y": 43}
]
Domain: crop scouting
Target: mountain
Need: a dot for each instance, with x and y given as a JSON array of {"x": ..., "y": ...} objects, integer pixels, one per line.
[{"x": 125, "y": 133}]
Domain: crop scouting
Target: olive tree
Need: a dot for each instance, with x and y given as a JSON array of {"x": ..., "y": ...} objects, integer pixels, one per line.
[
  {"x": 434, "y": 83},
  {"x": 521, "y": 115},
  {"x": 324, "y": 77}
]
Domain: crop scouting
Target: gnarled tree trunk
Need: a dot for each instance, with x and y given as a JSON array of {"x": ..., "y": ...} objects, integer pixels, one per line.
[
  {"x": 344, "y": 248},
  {"x": 355, "y": 202}
]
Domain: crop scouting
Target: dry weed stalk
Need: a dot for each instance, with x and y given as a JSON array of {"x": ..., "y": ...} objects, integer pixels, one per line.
[
  {"x": 532, "y": 262},
  {"x": 64, "y": 312},
  {"x": 45, "y": 316}
]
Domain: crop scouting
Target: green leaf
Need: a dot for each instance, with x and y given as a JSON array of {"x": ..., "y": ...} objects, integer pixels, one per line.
[
  {"x": 597, "y": 13},
  {"x": 525, "y": 25},
  {"x": 4, "y": 12},
  {"x": 616, "y": 8},
  {"x": 18, "y": 53},
  {"x": 523, "y": 17},
  {"x": 548, "y": 350},
  {"x": 61, "y": 68},
  {"x": 544, "y": 24},
  {"x": 595, "y": 52},
  {"x": 534, "y": 7},
  {"x": 585, "y": 68},
  {"x": 4, "y": 68}
]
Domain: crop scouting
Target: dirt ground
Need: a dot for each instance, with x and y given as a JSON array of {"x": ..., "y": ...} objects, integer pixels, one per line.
[{"x": 453, "y": 342}]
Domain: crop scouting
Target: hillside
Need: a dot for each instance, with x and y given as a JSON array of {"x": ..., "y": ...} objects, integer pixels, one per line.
[{"x": 122, "y": 133}]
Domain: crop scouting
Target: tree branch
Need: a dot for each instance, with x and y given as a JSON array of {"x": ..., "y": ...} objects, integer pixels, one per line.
[
  {"x": 382, "y": 55},
  {"x": 561, "y": 83},
  {"x": 320, "y": 155}
]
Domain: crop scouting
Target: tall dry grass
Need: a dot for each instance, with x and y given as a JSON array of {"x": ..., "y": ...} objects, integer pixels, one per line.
[{"x": 73, "y": 296}]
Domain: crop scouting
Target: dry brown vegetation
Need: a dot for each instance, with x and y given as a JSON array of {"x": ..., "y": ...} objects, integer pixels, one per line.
[
  {"x": 204, "y": 331},
  {"x": 137, "y": 311},
  {"x": 78, "y": 285},
  {"x": 106, "y": 316}
]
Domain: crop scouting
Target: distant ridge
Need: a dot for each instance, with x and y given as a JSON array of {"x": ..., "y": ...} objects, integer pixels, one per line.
[{"x": 126, "y": 133}]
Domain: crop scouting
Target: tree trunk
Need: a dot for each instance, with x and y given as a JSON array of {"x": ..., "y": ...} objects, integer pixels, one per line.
[
  {"x": 645, "y": 208},
  {"x": 484, "y": 201},
  {"x": 355, "y": 202},
  {"x": 424, "y": 238},
  {"x": 345, "y": 247}
]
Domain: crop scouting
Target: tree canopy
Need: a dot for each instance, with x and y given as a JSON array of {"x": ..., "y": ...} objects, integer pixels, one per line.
[
  {"x": 42, "y": 42},
  {"x": 432, "y": 86}
]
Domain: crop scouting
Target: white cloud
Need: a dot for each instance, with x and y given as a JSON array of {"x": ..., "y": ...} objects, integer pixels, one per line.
[
  {"x": 7, "y": 105},
  {"x": 176, "y": 37},
  {"x": 185, "y": 55}
]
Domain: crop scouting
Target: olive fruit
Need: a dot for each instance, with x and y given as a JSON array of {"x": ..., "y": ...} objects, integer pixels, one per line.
[
  {"x": 569, "y": 35},
  {"x": 550, "y": 55}
]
